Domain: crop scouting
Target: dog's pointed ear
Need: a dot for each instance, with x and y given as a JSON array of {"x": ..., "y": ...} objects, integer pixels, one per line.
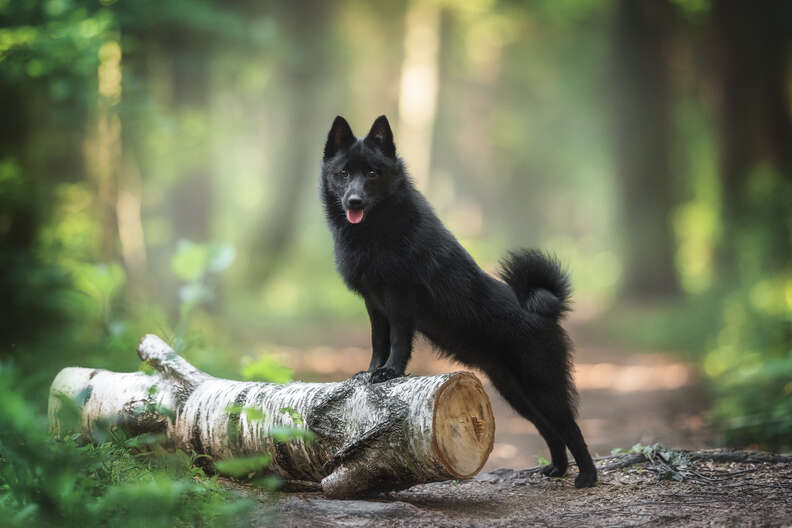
[
  {"x": 381, "y": 137},
  {"x": 339, "y": 138}
]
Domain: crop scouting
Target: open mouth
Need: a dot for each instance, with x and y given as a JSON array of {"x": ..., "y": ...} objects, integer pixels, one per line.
[{"x": 355, "y": 216}]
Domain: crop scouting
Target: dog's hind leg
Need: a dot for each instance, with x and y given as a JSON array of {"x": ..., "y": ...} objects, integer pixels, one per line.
[
  {"x": 557, "y": 409},
  {"x": 559, "y": 462},
  {"x": 512, "y": 391}
]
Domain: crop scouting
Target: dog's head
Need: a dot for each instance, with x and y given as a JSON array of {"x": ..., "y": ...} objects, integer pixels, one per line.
[{"x": 359, "y": 174}]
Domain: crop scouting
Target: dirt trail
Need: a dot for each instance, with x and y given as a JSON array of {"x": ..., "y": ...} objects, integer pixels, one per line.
[{"x": 712, "y": 493}]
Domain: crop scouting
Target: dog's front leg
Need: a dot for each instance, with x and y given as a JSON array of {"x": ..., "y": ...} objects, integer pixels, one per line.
[
  {"x": 401, "y": 338},
  {"x": 380, "y": 337}
]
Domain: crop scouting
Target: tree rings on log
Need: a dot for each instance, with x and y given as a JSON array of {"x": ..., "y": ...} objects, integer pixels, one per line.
[{"x": 463, "y": 427}]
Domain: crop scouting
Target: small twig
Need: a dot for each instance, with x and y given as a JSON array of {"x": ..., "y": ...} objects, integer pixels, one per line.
[{"x": 627, "y": 460}]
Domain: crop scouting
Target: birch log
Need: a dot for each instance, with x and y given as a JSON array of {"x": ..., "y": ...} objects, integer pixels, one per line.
[{"x": 369, "y": 437}]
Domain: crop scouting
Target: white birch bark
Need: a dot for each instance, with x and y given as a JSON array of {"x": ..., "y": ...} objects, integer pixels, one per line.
[{"x": 369, "y": 437}]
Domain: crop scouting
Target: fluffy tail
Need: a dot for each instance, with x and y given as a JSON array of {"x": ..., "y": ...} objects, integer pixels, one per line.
[{"x": 538, "y": 280}]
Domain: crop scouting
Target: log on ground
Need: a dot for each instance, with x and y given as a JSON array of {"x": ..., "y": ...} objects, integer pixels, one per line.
[{"x": 368, "y": 437}]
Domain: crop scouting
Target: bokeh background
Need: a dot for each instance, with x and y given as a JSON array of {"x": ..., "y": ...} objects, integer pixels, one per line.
[{"x": 159, "y": 164}]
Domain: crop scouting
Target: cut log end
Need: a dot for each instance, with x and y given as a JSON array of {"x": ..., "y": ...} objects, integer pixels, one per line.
[{"x": 463, "y": 428}]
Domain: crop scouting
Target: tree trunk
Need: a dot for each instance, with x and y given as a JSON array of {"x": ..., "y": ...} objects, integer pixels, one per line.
[
  {"x": 751, "y": 52},
  {"x": 369, "y": 437},
  {"x": 641, "y": 113},
  {"x": 304, "y": 72},
  {"x": 418, "y": 89}
]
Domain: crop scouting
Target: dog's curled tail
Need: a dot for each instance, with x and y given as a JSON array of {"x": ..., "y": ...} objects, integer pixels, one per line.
[{"x": 538, "y": 280}]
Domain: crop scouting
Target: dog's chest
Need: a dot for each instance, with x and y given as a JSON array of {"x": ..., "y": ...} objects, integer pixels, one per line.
[{"x": 365, "y": 268}]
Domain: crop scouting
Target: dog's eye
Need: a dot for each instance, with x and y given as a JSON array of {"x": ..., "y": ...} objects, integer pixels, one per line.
[
  {"x": 372, "y": 174},
  {"x": 343, "y": 174}
]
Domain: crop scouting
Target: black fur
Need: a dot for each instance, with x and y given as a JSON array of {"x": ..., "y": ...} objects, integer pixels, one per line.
[
  {"x": 414, "y": 276},
  {"x": 538, "y": 281}
]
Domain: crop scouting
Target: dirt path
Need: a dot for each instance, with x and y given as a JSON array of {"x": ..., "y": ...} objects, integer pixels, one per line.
[{"x": 712, "y": 493}]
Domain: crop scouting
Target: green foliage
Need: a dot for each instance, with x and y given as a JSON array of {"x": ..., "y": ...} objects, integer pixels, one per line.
[
  {"x": 250, "y": 413},
  {"x": 293, "y": 414},
  {"x": 243, "y": 466},
  {"x": 198, "y": 265},
  {"x": 193, "y": 261},
  {"x": 751, "y": 365},
  {"x": 254, "y": 467},
  {"x": 44, "y": 482},
  {"x": 286, "y": 434},
  {"x": 199, "y": 139},
  {"x": 740, "y": 339},
  {"x": 266, "y": 368}
]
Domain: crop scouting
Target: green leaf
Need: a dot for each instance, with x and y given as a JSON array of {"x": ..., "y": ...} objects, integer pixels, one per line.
[
  {"x": 234, "y": 409},
  {"x": 194, "y": 293},
  {"x": 295, "y": 416},
  {"x": 286, "y": 433},
  {"x": 243, "y": 466},
  {"x": 101, "y": 282},
  {"x": 221, "y": 256},
  {"x": 145, "y": 440},
  {"x": 190, "y": 260},
  {"x": 266, "y": 368},
  {"x": 269, "y": 482},
  {"x": 253, "y": 414}
]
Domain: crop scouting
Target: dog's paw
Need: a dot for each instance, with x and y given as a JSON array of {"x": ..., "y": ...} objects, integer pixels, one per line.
[
  {"x": 552, "y": 470},
  {"x": 586, "y": 480},
  {"x": 383, "y": 374}
]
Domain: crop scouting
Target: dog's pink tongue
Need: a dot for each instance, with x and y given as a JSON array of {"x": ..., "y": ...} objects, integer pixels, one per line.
[{"x": 355, "y": 216}]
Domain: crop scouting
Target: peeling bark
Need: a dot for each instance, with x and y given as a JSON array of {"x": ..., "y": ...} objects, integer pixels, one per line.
[{"x": 369, "y": 437}]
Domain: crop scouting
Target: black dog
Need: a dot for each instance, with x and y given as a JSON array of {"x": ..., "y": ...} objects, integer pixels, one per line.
[{"x": 413, "y": 275}]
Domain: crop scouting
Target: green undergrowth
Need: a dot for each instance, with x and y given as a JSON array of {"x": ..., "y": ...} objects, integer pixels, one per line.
[
  {"x": 122, "y": 482},
  {"x": 739, "y": 340},
  {"x": 125, "y": 481}
]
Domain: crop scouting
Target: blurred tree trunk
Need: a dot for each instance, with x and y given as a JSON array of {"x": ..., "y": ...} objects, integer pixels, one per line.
[
  {"x": 298, "y": 132},
  {"x": 752, "y": 51},
  {"x": 103, "y": 147},
  {"x": 641, "y": 113},
  {"x": 19, "y": 221},
  {"x": 418, "y": 88},
  {"x": 190, "y": 92}
]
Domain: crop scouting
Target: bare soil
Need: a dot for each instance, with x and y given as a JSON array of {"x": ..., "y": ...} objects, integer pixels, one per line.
[{"x": 718, "y": 488}]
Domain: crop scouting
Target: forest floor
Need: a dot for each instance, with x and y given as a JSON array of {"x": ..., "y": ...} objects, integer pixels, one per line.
[
  {"x": 626, "y": 397},
  {"x": 717, "y": 488}
]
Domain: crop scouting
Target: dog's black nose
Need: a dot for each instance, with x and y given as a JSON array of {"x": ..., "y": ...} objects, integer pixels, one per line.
[{"x": 355, "y": 202}]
